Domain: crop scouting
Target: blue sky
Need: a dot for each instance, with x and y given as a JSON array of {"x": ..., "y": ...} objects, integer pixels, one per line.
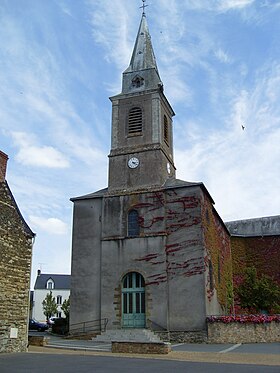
[{"x": 60, "y": 60}]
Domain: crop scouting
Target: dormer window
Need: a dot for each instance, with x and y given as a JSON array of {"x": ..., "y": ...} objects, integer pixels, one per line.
[
  {"x": 50, "y": 284},
  {"x": 135, "y": 121}
]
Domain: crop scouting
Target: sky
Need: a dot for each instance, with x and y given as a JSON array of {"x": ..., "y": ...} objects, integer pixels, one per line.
[{"x": 61, "y": 60}]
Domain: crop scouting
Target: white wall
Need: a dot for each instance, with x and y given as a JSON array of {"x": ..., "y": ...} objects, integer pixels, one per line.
[{"x": 40, "y": 295}]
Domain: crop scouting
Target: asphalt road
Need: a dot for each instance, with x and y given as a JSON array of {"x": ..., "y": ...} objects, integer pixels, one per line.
[
  {"x": 251, "y": 348},
  {"x": 52, "y": 363},
  {"x": 247, "y": 348}
]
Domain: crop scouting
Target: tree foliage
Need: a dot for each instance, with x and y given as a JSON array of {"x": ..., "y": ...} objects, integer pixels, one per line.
[
  {"x": 49, "y": 305},
  {"x": 258, "y": 293},
  {"x": 66, "y": 307}
]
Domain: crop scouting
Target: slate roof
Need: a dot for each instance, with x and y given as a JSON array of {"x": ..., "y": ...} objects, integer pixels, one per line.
[
  {"x": 98, "y": 194},
  {"x": 143, "y": 56},
  {"x": 265, "y": 226},
  {"x": 61, "y": 282}
]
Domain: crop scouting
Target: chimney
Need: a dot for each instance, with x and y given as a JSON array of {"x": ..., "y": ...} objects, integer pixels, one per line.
[
  {"x": 38, "y": 272},
  {"x": 3, "y": 166}
]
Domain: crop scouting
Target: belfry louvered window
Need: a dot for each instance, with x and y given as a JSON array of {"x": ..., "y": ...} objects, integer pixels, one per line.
[
  {"x": 135, "y": 121},
  {"x": 165, "y": 130}
]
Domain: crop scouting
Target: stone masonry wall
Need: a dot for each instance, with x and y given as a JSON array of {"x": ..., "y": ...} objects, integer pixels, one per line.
[
  {"x": 199, "y": 336},
  {"x": 243, "y": 333},
  {"x": 15, "y": 263},
  {"x": 141, "y": 348}
]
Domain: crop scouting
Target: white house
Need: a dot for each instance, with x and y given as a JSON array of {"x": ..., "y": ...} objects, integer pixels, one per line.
[{"x": 59, "y": 285}]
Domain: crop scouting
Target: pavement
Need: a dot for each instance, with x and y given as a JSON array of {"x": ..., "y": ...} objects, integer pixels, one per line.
[{"x": 254, "y": 354}]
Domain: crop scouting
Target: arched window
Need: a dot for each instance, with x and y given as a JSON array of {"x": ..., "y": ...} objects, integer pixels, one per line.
[
  {"x": 165, "y": 130},
  {"x": 135, "y": 121},
  {"x": 219, "y": 270},
  {"x": 211, "y": 276},
  {"x": 137, "y": 82},
  {"x": 133, "y": 228},
  {"x": 50, "y": 284}
]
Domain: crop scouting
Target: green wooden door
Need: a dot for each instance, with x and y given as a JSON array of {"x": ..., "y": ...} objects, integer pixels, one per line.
[{"x": 133, "y": 301}]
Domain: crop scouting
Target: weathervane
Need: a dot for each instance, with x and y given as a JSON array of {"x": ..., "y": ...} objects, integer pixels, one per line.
[{"x": 143, "y": 7}]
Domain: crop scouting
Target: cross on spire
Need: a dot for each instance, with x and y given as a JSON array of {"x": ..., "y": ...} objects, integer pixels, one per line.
[{"x": 143, "y": 7}]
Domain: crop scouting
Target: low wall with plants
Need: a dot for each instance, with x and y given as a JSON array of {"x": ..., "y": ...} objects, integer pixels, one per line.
[{"x": 243, "y": 329}]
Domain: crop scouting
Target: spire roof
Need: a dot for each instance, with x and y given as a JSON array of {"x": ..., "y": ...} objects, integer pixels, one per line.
[{"x": 143, "y": 56}]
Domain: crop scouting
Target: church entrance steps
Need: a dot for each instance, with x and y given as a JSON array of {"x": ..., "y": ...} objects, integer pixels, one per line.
[{"x": 128, "y": 335}]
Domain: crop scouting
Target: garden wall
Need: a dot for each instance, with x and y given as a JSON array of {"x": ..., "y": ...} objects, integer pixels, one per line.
[{"x": 243, "y": 331}]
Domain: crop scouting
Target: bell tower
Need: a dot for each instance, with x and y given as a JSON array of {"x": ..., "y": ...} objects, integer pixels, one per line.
[{"x": 141, "y": 154}]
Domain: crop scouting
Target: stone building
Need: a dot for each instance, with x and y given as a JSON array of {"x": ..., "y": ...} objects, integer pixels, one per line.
[
  {"x": 16, "y": 240},
  {"x": 149, "y": 251}
]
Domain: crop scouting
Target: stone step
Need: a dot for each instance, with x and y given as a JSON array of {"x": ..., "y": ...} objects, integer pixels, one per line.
[{"x": 127, "y": 335}]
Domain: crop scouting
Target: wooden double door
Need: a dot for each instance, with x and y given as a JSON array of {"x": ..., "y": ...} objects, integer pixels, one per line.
[{"x": 133, "y": 301}]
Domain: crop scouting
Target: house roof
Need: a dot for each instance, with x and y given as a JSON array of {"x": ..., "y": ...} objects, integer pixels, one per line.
[
  {"x": 265, "y": 226},
  {"x": 61, "y": 282}
]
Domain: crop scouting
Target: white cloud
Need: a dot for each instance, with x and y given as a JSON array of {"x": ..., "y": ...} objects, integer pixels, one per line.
[
  {"x": 38, "y": 156},
  {"x": 239, "y": 167},
  {"x": 222, "y": 56},
  {"x": 117, "y": 39},
  {"x": 49, "y": 225},
  {"x": 217, "y": 5},
  {"x": 234, "y": 4}
]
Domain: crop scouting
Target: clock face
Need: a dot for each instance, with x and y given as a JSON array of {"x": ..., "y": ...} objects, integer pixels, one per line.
[{"x": 133, "y": 162}]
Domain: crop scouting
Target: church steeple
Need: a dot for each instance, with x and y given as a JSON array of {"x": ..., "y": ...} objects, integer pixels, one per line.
[
  {"x": 143, "y": 62},
  {"x": 143, "y": 56},
  {"x": 141, "y": 154}
]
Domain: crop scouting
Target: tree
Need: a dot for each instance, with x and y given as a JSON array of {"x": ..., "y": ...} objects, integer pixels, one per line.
[
  {"x": 66, "y": 307},
  {"x": 258, "y": 293},
  {"x": 49, "y": 305}
]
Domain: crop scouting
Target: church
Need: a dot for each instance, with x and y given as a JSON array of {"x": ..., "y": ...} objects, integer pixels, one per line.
[{"x": 150, "y": 251}]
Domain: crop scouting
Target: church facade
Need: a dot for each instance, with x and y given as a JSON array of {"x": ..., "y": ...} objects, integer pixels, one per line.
[{"x": 149, "y": 251}]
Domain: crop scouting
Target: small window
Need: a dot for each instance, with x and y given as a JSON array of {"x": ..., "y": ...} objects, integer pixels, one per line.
[
  {"x": 133, "y": 228},
  {"x": 50, "y": 285},
  {"x": 59, "y": 299},
  {"x": 135, "y": 121},
  {"x": 59, "y": 314},
  {"x": 165, "y": 130}
]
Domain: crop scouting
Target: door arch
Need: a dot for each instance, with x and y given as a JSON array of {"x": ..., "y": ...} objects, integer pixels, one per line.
[{"x": 133, "y": 301}]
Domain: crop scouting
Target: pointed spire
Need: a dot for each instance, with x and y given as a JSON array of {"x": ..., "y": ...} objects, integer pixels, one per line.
[
  {"x": 142, "y": 72},
  {"x": 143, "y": 54}
]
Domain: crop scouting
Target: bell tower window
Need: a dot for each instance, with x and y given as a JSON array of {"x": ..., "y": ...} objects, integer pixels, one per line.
[
  {"x": 135, "y": 121},
  {"x": 165, "y": 130},
  {"x": 133, "y": 228}
]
